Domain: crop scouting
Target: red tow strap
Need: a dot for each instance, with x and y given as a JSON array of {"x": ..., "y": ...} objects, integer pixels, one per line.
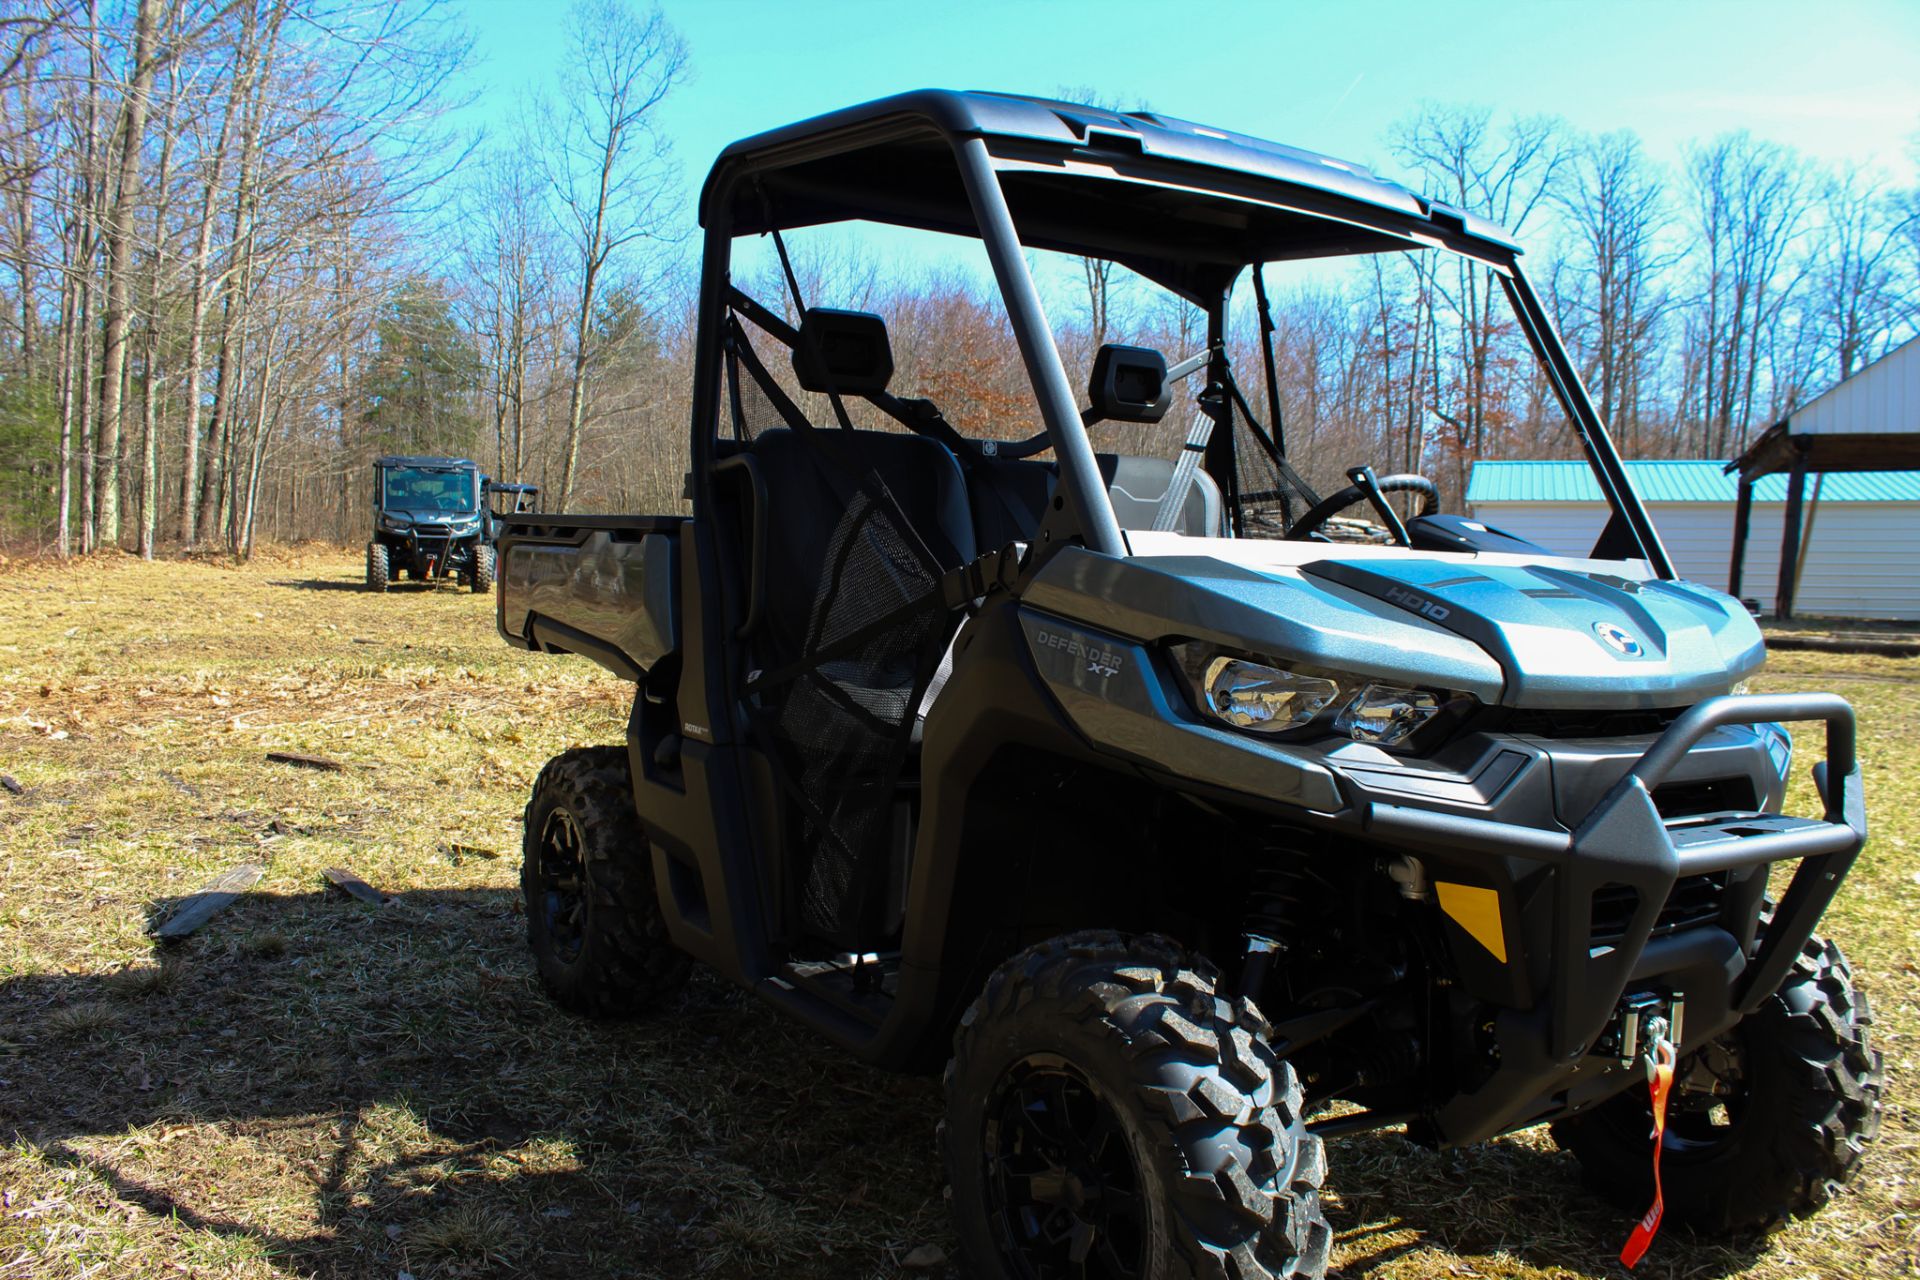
[{"x": 1659, "y": 1083}]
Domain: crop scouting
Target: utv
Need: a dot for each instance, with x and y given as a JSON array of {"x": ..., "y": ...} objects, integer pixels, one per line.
[
  {"x": 1183, "y": 835},
  {"x": 428, "y": 523},
  {"x": 505, "y": 499}
]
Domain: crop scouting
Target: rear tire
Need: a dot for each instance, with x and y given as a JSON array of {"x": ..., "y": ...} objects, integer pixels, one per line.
[
  {"x": 594, "y": 923},
  {"x": 1103, "y": 1101},
  {"x": 1802, "y": 1101},
  {"x": 481, "y": 578},
  {"x": 379, "y": 567}
]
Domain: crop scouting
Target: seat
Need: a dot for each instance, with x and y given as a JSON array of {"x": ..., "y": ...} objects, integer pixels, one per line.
[
  {"x": 1010, "y": 497},
  {"x": 807, "y": 497},
  {"x": 1136, "y": 484}
]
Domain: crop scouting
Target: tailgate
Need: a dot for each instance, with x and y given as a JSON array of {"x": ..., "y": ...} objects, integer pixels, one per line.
[{"x": 598, "y": 586}]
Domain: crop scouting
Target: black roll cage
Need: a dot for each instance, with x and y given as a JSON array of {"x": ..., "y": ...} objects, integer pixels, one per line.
[{"x": 836, "y": 168}]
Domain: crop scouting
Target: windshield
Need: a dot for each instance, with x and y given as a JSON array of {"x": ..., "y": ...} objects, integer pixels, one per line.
[{"x": 429, "y": 489}]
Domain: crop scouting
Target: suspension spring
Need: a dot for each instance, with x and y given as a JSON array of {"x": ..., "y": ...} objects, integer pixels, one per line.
[{"x": 1284, "y": 891}]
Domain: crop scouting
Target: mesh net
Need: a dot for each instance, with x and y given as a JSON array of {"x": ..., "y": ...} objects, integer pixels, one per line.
[
  {"x": 845, "y": 720},
  {"x": 1268, "y": 494},
  {"x": 840, "y": 715}
]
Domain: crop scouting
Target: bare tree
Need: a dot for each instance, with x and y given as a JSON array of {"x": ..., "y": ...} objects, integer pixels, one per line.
[
  {"x": 150, "y": 332},
  {"x": 132, "y": 137},
  {"x": 508, "y": 255},
  {"x": 1609, "y": 288},
  {"x": 606, "y": 161},
  {"x": 1749, "y": 203},
  {"x": 1506, "y": 174},
  {"x": 239, "y": 85},
  {"x": 1858, "y": 290}
]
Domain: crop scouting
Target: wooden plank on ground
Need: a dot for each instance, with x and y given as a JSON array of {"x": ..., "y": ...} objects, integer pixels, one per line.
[
  {"x": 197, "y": 908},
  {"x": 461, "y": 852},
  {"x": 352, "y": 885},
  {"x": 305, "y": 762}
]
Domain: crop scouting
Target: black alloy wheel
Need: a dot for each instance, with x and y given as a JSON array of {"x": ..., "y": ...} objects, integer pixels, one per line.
[
  {"x": 562, "y": 877},
  {"x": 1062, "y": 1183},
  {"x": 594, "y": 924}
]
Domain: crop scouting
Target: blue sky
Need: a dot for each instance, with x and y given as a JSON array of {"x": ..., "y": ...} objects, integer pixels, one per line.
[{"x": 1839, "y": 80}]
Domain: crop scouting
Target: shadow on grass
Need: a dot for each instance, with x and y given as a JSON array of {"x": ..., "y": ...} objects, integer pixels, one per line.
[
  {"x": 386, "y": 1089},
  {"x": 348, "y": 584}
]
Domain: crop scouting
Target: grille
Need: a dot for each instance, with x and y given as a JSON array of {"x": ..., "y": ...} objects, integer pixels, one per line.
[
  {"x": 1588, "y": 724},
  {"x": 1709, "y": 795},
  {"x": 1695, "y": 900}
]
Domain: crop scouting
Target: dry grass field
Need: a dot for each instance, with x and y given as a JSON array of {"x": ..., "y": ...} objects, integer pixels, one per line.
[{"x": 315, "y": 1086}]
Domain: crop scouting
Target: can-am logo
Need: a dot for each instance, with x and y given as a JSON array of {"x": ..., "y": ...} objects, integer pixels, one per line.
[
  {"x": 1418, "y": 603},
  {"x": 1617, "y": 639}
]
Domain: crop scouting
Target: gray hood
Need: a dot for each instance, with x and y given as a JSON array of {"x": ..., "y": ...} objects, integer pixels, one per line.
[{"x": 1569, "y": 634}]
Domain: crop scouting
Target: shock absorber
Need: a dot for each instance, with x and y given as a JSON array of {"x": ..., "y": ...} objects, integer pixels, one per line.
[{"x": 1282, "y": 891}]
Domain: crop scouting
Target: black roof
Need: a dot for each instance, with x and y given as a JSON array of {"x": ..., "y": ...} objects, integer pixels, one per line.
[
  {"x": 422, "y": 460},
  {"x": 1184, "y": 203}
]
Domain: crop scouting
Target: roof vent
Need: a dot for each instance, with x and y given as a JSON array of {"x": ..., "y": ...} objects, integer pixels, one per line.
[{"x": 1114, "y": 140}]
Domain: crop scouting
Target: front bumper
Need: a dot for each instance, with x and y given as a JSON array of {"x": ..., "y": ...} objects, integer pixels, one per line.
[
  {"x": 435, "y": 551},
  {"x": 1544, "y": 1063},
  {"x": 1544, "y": 829}
]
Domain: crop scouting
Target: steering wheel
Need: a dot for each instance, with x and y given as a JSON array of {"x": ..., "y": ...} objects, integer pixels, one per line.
[{"x": 1309, "y": 523}]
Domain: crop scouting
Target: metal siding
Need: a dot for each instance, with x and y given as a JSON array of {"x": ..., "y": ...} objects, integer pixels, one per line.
[
  {"x": 1667, "y": 482},
  {"x": 1883, "y": 398},
  {"x": 1863, "y": 560}
]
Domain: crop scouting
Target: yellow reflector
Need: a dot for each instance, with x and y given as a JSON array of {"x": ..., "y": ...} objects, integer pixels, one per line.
[{"x": 1478, "y": 912}]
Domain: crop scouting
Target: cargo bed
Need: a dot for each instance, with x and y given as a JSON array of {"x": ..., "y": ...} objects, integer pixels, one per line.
[{"x": 598, "y": 586}]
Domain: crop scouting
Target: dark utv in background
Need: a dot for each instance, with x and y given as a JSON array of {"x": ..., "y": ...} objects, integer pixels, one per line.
[{"x": 430, "y": 522}]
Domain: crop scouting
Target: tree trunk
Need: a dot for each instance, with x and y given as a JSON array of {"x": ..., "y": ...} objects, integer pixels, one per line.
[
  {"x": 89, "y": 397},
  {"x": 87, "y": 210},
  {"x": 215, "y": 489},
  {"x": 200, "y": 287},
  {"x": 69, "y": 396},
  {"x": 23, "y": 216},
  {"x": 133, "y": 128},
  {"x": 256, "y": 454},
  {"x": 577, "y": 391}
]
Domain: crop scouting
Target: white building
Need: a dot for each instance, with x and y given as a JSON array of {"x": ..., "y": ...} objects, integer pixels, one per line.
[{"x": 1859, "y": 534}]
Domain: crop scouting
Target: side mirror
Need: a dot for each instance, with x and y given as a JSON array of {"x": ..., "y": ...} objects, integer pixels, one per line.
[
  {"x": 1129, "y": 384},
  {"x": 854, "y": 347}
]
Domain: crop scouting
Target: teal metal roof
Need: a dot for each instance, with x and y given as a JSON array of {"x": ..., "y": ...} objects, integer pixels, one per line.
[{"x": 1690, "y": 481}]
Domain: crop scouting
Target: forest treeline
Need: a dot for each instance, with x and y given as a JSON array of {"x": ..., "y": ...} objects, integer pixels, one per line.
[{"x": 244, "y": 250}]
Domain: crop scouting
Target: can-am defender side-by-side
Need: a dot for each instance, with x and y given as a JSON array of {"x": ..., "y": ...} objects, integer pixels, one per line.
[
  {"x": 507, "y": 499},
  {"x": 429, "y": 523},
  {"x": 1182, "y": 834}
]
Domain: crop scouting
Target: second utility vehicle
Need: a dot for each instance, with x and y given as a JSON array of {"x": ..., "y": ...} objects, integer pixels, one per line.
[
  {"x": 1181, "y": 835},
  {"x": 428, "y": 522}
]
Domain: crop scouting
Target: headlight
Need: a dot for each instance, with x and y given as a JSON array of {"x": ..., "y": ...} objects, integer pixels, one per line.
[
  {"x": 1250, "y": 695},
  {"x": 394, "y": 522},
  {"x": 1281, "y": 698},
  {"x": 1386, "y": 715}
]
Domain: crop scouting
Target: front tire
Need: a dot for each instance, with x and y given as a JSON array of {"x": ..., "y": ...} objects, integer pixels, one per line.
[
  {"x": 481, "y": 576},
  {"x": 594, "y": 923},
  {"x": 1109, "y": 1114},
  {"x": 1782, "y": 1108},
  {"x": 379, "y": 567}
]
